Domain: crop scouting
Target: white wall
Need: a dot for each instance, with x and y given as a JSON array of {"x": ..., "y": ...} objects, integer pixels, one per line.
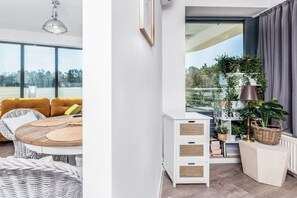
[
  {"x": 45, "y": 38},
  {"x": 136, "y": 104},
  {"x": 173, "y": 51},
  {"x": 97, "y": 99}
]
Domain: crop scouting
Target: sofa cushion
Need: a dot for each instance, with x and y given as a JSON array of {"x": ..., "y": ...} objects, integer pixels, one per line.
[
  {"x": 60, "y": 105},
  {"x": 16, "y": 122},
  {"x": 74, "y": 109},
  {"x": 39, "y": 104}
]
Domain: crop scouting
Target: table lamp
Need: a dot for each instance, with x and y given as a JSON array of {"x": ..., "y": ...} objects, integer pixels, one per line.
[{"x": 249, "y": 93}]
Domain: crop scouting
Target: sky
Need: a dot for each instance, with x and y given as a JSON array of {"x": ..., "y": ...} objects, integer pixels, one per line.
[
  {"x": 231, "y": 47},
  {"x": 37, "y": 57}
]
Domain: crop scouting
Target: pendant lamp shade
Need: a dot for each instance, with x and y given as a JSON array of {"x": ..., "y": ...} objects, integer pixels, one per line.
[{"x": 54, "y": 25}]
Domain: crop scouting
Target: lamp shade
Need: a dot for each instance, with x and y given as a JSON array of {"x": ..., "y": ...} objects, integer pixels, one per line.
[
  {"x": 54, "y": 26},
  {"x": 249, "y": 92}
]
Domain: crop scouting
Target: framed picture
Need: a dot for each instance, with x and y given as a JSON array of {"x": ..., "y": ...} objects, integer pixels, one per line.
[{"x": 147, "y": 20}]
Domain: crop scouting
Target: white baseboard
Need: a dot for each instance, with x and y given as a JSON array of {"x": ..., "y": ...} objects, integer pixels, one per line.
[
  {"x": 225, "y": 160},
  {"x": 161, "y": 182}
]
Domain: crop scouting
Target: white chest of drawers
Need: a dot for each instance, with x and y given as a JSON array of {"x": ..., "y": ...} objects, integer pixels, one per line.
[{"x": 186, "y": 148}]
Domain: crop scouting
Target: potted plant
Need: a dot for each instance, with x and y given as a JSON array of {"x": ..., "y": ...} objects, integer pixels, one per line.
[
  {"x": 235, "y": 130},
  {"x": 222, "y": 132},
  {"x": 234, "y": 99},
  {"x": 267, "y": 110}
]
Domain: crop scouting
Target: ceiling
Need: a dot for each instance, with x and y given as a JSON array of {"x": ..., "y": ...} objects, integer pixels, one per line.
[
  {"x": 228, "y": 8},
  {"x": 31, "y": 15},
  {"x": 203, "y": 35},
  {"x": 224, "y": 11}
]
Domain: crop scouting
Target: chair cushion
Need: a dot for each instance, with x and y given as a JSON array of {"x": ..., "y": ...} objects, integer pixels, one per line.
[
  {"x": 60, "y": 105},
  {"x": 16, "y": 122},
  {"x": 74, "y": 109}
]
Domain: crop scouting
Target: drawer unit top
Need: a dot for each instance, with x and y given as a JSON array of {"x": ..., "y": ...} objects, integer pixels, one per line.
[{"x": 187, "y": 116}]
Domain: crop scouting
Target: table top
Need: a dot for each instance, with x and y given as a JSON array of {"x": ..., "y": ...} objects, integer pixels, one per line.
[{"x": 36, "y": 135}]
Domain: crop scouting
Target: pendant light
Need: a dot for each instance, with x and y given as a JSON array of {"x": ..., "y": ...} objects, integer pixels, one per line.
[{"x": 54, "y": 25}]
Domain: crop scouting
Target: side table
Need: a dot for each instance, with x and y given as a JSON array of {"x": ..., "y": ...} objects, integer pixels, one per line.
[{"x": 264, "y": 163}]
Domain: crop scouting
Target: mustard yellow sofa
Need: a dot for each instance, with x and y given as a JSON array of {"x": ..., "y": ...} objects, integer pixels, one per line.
[
  {"x": 39, "y": 104},
  {"x": 55, "y": 107}
]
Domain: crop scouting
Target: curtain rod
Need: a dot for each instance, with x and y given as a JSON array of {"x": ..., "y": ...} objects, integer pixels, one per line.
[{"x": 274, "y": 5}]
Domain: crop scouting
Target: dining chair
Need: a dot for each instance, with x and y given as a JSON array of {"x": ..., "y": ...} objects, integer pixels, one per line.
[
  {"x": 34, "y": 178},
  {"x": 20, "y": 150}
]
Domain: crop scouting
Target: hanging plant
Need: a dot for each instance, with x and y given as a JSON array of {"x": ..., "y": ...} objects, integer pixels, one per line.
[
  {"x": 252, "y": 68},
  {"x": 227, "y": 64}
]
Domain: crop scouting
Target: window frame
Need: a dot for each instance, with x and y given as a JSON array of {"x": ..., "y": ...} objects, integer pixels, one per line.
[{"x": 22, "y": 62}]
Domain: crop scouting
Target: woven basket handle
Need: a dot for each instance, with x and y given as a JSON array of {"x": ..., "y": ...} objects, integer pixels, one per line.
[{"x": 254, "y": 123}]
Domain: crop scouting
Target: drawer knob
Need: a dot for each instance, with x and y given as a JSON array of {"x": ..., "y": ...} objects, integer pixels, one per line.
[
  {"x": 191, "y": 121},
  {"x": 191, "y": 163},
  {"x": 191, "y": 142}
]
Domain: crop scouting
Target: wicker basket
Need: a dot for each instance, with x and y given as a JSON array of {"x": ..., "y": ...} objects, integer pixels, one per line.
[{"x": 265, "y": 135}]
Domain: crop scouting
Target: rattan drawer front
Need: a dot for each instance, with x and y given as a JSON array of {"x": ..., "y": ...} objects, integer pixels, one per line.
[
  {"x": 191, "y": 171},
  {"x": 191, "y": 150},
  {"x": 192, "y": 129}
]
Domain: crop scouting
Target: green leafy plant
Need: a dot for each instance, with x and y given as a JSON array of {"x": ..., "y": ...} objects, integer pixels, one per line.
[
  {"x": 227, "y": 64},
  {"x": 221, "y": 129},
  {"x": 270, "y": 109},
  {"x": 252, "y": 67},
  {"x": 232, "y": 69},
  {"x": 236, "y": 130}
]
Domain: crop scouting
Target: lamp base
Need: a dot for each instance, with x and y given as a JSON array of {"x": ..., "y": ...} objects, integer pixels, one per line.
[{"x": 248, "y": 139}]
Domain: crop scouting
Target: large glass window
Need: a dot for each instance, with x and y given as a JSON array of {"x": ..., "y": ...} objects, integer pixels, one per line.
[
  {"x": 40, "y": 71},
  {"x": 70, "y": 73},
  {"x": 206, "y": 41},
  {"x": 9, "y": 70}
]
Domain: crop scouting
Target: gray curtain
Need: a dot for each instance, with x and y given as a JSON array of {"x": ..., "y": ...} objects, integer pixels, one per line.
[{"x": 278, "y": 49}]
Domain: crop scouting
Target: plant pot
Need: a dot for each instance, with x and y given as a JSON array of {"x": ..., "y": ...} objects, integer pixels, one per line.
[
  {"x": 267, "y": 135},
  {"x": 232, "y": 137},
  {"x": 224, "y": 114},
  {"x": 236, "y": 114},
  {"x": 223, "y": 104},
  {"x": 234, "y": 104},
  {"x": 222, "y": 137}
]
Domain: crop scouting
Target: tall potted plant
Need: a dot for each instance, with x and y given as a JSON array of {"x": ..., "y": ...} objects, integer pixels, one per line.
[{"x": 266, "y": 110}]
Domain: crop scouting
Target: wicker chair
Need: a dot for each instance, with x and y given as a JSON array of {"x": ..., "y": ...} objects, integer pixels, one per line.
[
  {"x": 20, "y": 150},
  {"x": 32, "y": 178}
]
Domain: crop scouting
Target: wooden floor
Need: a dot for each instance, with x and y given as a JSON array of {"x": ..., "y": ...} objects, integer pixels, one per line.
[
  {"x": 228, "y": 180},
  {"x": 6, "y": 149}
]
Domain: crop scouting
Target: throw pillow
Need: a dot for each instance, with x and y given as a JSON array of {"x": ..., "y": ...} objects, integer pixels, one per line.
[
  {"x": 74, "y": 109},
  {"x": 16, "y": 122}
]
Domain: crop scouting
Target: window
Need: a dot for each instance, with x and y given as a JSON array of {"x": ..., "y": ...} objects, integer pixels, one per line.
[
  {"x": 70, "y": 73},
  {"x": 10, "y": 69},
  {"x": 206, "y": 41},
  {"x": 40, "y": 70}
]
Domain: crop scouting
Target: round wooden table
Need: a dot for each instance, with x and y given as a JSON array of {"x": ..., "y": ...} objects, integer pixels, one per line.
[{"x": 34, "y": 138}]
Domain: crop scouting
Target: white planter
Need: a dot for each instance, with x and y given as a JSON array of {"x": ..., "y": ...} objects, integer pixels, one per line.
[
  {"x": 234, "y": 104},
  {"x": 232, "y": 137},
  {"x": 224, "y": 114},
  {"x": 236, "y": 114}
]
